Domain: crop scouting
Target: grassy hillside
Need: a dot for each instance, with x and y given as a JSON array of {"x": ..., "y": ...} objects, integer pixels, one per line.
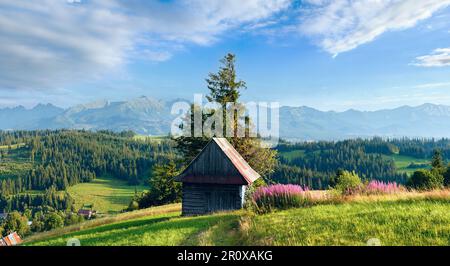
[
  {"x": 14, "y": 161},
  {"x": 14, "y": 169},
  {"x": 289, "y": 155},
  {"x": 108, "y": 195},
  {"x": 394, "y": 223},
  {"x": 402, "y": 163},
  {"x": 166, "y": 209},
  {"x": 154, "y": 139},
  {"x": 402, "y": 221},
  {"x": 12, "y": 146}
]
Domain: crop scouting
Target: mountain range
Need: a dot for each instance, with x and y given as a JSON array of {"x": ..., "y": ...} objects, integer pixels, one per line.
[{"x": 149, "y": 116}]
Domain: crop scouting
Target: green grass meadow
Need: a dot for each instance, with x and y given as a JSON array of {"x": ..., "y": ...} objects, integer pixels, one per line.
[
  {"x": 394, "y": 223},
  {"x": 398, "y": 223},
  {"x": 108, "y": 195},
  {"x": 12, "y": 146},
  {"x": 402, "y": 163},
  {"x": 167, "y": 229},
  {"x": 289, "y": 155},
  {"x": 15, "y": 161},
  {"x": 14, "y": 169}
]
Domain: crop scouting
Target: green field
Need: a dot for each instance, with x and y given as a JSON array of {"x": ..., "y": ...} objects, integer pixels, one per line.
[
  {"x": 292, "y": 154},
  {"x": 12, "y": 146},
  {"x": 14, "y": 169},
  {"x": 155, "y": 139},
  {"x": 107, "y": 194},
  {"x": 15, "y": 161},
  {"x": 402, "y": 163},
  {"x": 403, "y": 222}
]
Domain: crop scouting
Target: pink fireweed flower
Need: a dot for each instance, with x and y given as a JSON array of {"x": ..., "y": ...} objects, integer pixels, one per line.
[
  {"x": 280, "y": 197},
  {"x": 379, "y": 187},
  {"x": 279, "y": 190}
]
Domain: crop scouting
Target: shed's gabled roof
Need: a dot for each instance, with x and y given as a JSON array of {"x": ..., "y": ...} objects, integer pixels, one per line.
[
  {"x": 219, "y": 163},
  {"x": 242, "y": 166}
]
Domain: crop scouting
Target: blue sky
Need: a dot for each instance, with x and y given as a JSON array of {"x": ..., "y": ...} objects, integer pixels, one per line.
[{"x": 331, "y": 55}]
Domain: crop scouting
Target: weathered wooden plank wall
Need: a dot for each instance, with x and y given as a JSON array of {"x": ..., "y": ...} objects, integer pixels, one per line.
[{"x": 207, "y": 198}]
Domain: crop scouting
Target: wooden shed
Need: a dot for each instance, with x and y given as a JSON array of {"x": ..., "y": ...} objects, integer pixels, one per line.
[{"x": 216, "y": 179}]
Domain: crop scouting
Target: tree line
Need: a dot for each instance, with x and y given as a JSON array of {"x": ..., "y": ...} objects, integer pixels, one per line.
[{"x": 318, "y": 161}]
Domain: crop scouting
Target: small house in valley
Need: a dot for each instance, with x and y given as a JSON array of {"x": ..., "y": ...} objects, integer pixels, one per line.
[
  {"x": 216, "y": 179},
  {"x": 87, "y": 211},
  {"x": 10, "y": 240}
]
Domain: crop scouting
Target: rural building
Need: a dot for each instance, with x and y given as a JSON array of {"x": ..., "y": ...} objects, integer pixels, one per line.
[
  {"x": 216, "y": 179},
  {"x": 87, "y": 211},
  {"x": 10, "y": 240},
  {"x": 88, "y": 214}
]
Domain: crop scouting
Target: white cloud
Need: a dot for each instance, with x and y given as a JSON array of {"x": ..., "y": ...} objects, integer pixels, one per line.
[
  {"x": 201, "y": 21},
  {"x": 438, "y": 58},
  {"x": 342, "y": 25},
  {"x": 49, "y": 43},
  {"x": 432, "y": 85}
]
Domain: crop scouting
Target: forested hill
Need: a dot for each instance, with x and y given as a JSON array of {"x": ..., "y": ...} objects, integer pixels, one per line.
[
  {"x": 38, "y": 160},
  {"x": 314, "y": 163}
]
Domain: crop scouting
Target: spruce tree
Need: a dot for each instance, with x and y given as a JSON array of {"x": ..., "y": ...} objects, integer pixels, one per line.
[{"x": 224, "y": 87}]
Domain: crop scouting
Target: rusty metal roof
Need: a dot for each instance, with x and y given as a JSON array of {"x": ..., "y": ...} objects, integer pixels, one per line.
[
  {"x": 241, "y": 165},
  {"x": 11, "y": 240}
]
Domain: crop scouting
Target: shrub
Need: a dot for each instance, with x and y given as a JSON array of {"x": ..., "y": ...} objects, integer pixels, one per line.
[
  {"x": 163, "y": 187},
  {"x": 52, "y": 221},
  {"x": 134, "y": 205},
  {"x": 279, "y": 196},
  {"x": 375, "y": 187},
  {"x": 426, "y": 180},
  {"x": 72, "y": 218},
  {"x": 250, "y": 191},
  {"x": 347, "y": 183},
  {"x": 15, "y": 222},
  {"x": 447, "y": 177}
]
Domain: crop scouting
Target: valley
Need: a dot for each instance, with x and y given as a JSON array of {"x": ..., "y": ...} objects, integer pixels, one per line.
[{"x": 47, "y": 173}]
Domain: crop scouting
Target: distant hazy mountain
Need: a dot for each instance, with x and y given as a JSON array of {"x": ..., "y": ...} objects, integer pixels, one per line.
[
  {"x": 21, "y": 118},
  {"x": 427, "y": 120},
  {"x": 143, "y": 115},
  {"x": 152, "y": 117}
]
